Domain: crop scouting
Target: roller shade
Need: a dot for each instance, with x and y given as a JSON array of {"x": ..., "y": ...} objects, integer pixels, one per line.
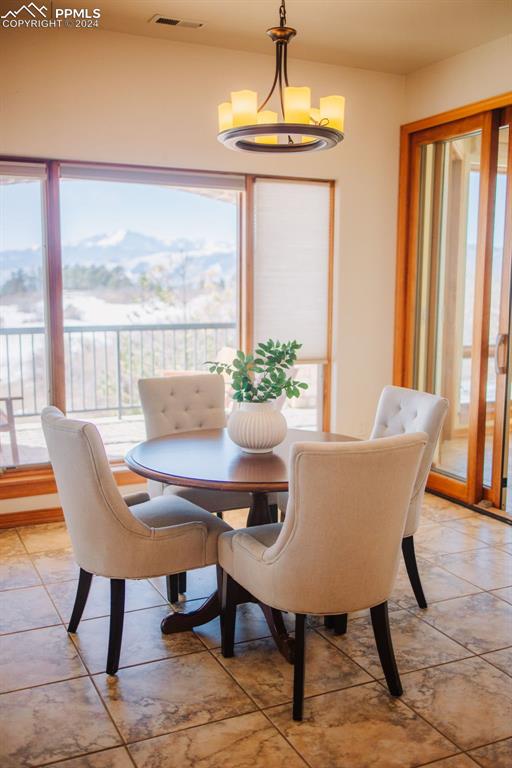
[{"x": 291, "y": 264}]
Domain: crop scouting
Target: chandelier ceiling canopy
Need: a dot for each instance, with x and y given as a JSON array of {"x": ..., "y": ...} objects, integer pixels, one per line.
[{"x": 245, "y": 126}]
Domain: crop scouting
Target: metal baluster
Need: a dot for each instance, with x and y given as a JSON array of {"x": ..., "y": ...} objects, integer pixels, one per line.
[
  {"x": 95, "y": 372},
  {"x": 106, "y": 369},
  {"x": 130, "y": 365},
  {"x": 22, "y": 387},
  {"x": 119, "y": 375},
  {"x": 32, "y": 336},
  {"x": 82, "y": 357},
  {"x": 71, "y": 387},
  {"x": 8, "y": 366}
]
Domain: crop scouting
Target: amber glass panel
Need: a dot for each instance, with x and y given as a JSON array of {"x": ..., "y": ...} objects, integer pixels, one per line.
[{"x": 448, "y": 229}]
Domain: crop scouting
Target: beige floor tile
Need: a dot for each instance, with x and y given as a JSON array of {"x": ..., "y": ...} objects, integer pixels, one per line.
[
  {"x": 200, "y": 583},
  {"x": 479, "y": 622},
  {"x": 416, "y": 644},
  {"x": 248, "y": 741},
  {"x": 236, "y": 518},
  {"x": 487, "y": 568},
  {"x": 56, "y": 565},
  {"x": 485, "y": 529},
  {"x": 142, "y": 640},
  {"x": 438, "y": 539},
  {"x": 37, "y": 657},
  {"x": 111, "y": 758},
  {"x": 361, "y": 727},
  {"x": 469, "y": 701},
  {"x": 438, "y": 584},
  {"x": 498, "y": 755},
  {"x": 265, "y": 675},
  {"x": 139, "y": 594},
  {"x": 250, "y": 625},
  {"x": 22, "y": 609},
  {"x": 53, "y": 722},
  {"x": 501, "y": 659},
  {"x": 45, "y": 536},
  {"x": 442, "y": 510},
  {"x": 169, "y": 695},
  {"x": 17, "y": 571},
  {"x": 10, "y": 543},
  {"x": 504, "y": 594},
  {"x": 457, "y": 761}
]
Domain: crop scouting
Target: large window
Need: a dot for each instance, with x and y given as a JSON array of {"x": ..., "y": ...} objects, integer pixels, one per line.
[
  {"x": 23, "y": 316},
  {"x": 111, "y": 274},
  {"x": 150, "y": 279}
]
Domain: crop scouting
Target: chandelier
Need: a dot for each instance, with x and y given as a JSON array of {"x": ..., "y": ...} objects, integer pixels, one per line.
[{"x": 302, "y": 128}]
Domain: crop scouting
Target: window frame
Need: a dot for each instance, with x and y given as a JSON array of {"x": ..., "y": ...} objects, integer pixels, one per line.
[{"x": 37, "y": 479}]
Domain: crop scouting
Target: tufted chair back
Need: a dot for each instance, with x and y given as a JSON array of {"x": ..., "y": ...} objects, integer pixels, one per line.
[
  {"x": 329, "y": 529},
  {"x": 403, "y": 410},
  {"x": 100, "y": 524},
  {"x": 181, "y": 404}
]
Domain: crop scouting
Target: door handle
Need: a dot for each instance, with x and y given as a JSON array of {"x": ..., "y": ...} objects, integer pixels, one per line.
[{"x": 501, "y": 344}]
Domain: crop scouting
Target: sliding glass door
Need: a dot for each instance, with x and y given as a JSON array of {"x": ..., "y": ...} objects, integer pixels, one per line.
[{"x": 454, "y": 320}]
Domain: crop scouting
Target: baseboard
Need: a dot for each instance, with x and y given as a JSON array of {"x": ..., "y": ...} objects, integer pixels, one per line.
[{"x": 31, "y": 517}]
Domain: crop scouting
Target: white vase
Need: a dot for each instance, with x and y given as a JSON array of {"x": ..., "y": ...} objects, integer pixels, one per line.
[{"x": 257, "y": 427}]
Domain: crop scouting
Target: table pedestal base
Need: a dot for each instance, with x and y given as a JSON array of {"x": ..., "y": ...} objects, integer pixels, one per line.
[{"x": 259, "y": 514}]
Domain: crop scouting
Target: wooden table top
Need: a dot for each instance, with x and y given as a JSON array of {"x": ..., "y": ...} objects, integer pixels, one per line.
[{"x": 208, "y": 458}]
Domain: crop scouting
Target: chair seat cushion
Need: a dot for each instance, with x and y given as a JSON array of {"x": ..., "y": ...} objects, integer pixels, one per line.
[
  {"x": 213, "y": 501},
  {"x": 265, "y": 534},
  {"x": 173, "y": 510}
]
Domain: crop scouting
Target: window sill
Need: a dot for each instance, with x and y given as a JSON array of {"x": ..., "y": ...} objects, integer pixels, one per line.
[{"x": 36, "y": 481}]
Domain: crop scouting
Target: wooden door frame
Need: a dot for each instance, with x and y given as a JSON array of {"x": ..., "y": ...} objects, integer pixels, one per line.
[
  {"x": 444, "y": 125},
  {"x": 502, "y": 413}
]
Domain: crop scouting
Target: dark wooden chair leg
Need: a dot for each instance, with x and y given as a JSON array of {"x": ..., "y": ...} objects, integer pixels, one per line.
[
  {"x": 117, "y": 592},
  {"x": 182, "y": 582},
  {"x": 82, "y": 593},
  {"x": 380, "y": 623},
  {"x": 299, "y": 666},
  {"x": 173, "y": 587},
  {"x": 340, "y": 624},
  {"x": 274, "y": 512},
  {"x": 228, "y": 614},
  {"x": 412, "y": 570}
]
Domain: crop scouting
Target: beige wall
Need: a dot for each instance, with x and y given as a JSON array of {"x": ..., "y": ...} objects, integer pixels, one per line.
[
  {"x": 97, "y": 95},
  {"x": 105, "y": 96},
  {"x": 471, "y": 76}
]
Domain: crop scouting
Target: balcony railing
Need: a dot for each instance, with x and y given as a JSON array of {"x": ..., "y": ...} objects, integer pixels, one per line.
[{"x": 104, "y": 362}]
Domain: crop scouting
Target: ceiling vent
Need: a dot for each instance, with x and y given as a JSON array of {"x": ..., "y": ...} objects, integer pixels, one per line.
[{"x": 158, "y": 19}]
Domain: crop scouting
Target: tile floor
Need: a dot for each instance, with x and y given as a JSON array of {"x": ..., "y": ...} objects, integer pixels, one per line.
[{"x": 176, "y": 703}]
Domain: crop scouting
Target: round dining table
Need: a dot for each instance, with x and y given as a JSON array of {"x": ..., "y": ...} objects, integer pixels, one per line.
[{"x": 209, "y": 459}]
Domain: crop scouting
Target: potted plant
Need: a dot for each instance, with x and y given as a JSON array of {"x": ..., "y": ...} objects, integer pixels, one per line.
[{"x": 258, "y": 380}]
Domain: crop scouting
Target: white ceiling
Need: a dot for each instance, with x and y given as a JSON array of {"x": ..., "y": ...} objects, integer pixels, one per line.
[{"x": 386, "y": 35}]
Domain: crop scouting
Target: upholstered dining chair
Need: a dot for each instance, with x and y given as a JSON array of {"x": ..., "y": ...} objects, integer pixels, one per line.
[
  {"x": 182, "y": 404},
  {"x": 400, "y": 411},
  {"x": 329, "y": 533},
  {"x": 130, "y": 538}
]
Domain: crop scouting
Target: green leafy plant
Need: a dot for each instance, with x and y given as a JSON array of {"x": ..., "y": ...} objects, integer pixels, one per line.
[{"x": 263, "y": 375}]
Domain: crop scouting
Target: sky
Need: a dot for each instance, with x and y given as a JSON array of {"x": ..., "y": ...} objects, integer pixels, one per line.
[{"x": 97, "y": 207}]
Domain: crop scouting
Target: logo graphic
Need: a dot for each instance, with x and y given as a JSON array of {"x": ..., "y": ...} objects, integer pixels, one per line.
[
  {"x": 31, "y": 15},
  {"x": 30, "y": 8}
]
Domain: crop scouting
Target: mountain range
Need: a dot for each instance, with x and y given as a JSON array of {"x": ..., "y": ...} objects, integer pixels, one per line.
[{"x": 137, "y": 253}]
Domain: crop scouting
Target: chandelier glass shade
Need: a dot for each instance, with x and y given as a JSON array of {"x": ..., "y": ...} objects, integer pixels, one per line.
[{"x": 245, "y": 126}]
